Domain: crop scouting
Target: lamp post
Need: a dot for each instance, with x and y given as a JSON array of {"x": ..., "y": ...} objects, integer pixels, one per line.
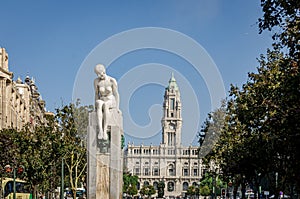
[
  {"x": 198, "y": 190},
  {"x": 259, "y": 187},
  {"x": 213, "y": 185},
  {"x": 10, "y": 169},
  {"x": 276, "y": 180},
  {"x": 62, "y": 179}
]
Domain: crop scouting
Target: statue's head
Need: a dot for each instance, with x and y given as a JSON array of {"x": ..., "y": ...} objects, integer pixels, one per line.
[{"x": 100, "y": 71}]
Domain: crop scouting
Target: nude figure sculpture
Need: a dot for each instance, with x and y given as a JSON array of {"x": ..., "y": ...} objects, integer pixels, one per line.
[{"x": 106, "y": 98}]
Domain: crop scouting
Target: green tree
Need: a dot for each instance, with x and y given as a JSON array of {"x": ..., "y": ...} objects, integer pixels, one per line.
[
  {"x": 35, "y": 149},
  {"x": 73, "y": 148},
  {"x": 147, "y": 190},
  {"x": 282, "y": 16},
  {"x": 211, "y": 179},
  {"x": 10, "y": 152},
  {"x": 41, "y": 149},
  {"x": 268, "y": 108},
  {"x": 283, "y": 19},
  {"x": 81, "y": 115},
  {"x": 211, "y": 130},
  {"x": 40, "y": 152},
  {"x": 260, "y": 136},
  {"x": 191, "y": 191},
  {"x": 130, "y": 184},
  {"x": 132, "y": 191},
  {"x": 205, "y": 191}
]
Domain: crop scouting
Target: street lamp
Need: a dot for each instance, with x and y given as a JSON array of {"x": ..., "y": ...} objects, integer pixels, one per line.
[
  {"x": 259, "y": 186},
  {"x": 214, "y": 179},
  {"x": 276, "y": 180},
  {"x": 198, "y": 183},
  {"x": 62, "y": 180},
  {"x": 15, "y": 170},
  {"x": 213, "y": 185}
]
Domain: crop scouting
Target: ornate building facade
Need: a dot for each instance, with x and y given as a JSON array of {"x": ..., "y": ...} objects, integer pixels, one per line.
[
  {"x": 20, "y": 102},
  {"x": 178, "y": 166}
]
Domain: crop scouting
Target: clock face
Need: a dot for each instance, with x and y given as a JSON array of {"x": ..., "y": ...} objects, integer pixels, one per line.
[{"x": 172, "y": 126}]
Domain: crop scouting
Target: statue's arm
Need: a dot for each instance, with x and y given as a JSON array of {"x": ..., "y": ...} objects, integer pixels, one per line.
[
  {"x": 96, "y": 90},
  {"x": 115, "y": 92}
]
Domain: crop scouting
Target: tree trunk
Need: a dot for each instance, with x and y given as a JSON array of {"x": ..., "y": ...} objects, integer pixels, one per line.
[
  {"x": 235, "y": 188},
  {"x": 243, "y": 190},
  {"x": 34, "y": 193},
  {"x": 74, "y": 193}
]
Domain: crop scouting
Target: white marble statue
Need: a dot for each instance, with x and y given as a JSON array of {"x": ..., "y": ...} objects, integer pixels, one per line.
[{"x": 106, "y": 98}]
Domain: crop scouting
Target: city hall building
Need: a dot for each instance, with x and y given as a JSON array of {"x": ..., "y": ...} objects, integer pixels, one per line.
[{"x": 178, "y": 166}]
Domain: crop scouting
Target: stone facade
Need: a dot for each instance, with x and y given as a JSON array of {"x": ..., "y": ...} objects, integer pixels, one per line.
[
  {"x": 20, "y": 102},
  {"x": 178, "y": 166}
]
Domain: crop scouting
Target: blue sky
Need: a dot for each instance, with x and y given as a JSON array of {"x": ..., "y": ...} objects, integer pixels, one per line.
[{"x": 50, "y": 40}]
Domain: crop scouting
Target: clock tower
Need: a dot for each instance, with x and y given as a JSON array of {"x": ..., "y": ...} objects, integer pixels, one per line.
[{"x": 171, "y": 121}]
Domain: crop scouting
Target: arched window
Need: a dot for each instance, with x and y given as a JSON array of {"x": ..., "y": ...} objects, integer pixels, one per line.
[
  {"x": 171, "y": 186},
  {"x": 146, "y": 183},
  {"x": 185, "y": 186},
  {"x": 155, "y": 185}
]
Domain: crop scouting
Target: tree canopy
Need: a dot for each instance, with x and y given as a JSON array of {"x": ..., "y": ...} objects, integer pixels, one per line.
[
  {"x": 259, "y": 137},
  {"x": 147, "y": 190},
  {"x": 130, "y": 183},
  {"x": 40, "y": 150}
]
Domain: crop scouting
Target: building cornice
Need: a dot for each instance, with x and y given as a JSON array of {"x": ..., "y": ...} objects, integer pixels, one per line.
[{"x": 6, "y": 74}]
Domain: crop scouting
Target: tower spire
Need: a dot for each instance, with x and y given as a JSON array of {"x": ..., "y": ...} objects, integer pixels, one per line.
[
  {"x": 171, "y": 121},
  {"x": 172, "y": 83}
]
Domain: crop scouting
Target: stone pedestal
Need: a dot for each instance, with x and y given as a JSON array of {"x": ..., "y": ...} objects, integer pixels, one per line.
[
  {"x": 105, "y": 159},
  {"x": 116, "y": 166},
  {"x": 92, "y": 152},
  {"x": 102, "y": 176}
]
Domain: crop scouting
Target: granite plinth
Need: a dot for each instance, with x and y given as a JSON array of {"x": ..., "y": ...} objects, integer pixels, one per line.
[{"x": 105, "y": 171}]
